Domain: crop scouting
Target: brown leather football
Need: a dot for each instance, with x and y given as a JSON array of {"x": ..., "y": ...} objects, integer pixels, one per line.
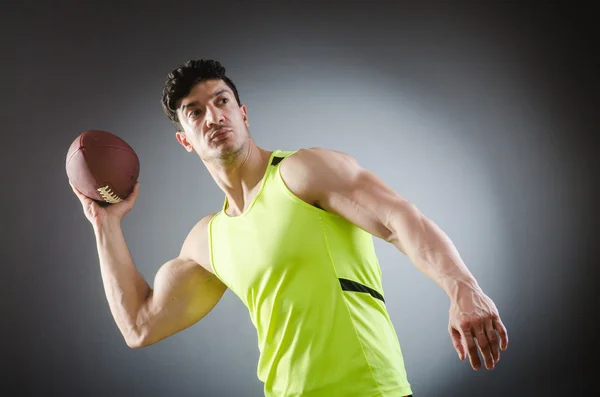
[{"x": 102, "y": 166}]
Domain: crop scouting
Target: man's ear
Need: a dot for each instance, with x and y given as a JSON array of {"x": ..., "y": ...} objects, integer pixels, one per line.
[
  {"x": 245, "y": 115},
  {"x": 183, "y": 141}
]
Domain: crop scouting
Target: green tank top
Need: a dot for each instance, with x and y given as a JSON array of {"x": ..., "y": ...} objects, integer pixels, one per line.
[{"x": 312, "y": 285}]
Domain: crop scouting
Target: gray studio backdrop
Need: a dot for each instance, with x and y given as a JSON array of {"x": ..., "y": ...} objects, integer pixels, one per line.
[{"x": 467, "y": 110}]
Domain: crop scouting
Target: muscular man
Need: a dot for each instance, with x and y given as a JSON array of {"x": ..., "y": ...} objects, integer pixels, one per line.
[{"x": 293, "y": 241}]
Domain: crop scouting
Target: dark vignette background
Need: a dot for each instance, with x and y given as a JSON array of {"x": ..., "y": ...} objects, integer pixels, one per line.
[{"x": 482, "y": 113}]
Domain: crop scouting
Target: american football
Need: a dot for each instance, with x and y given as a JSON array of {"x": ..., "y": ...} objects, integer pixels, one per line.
[{"x": 102, "y": 166}]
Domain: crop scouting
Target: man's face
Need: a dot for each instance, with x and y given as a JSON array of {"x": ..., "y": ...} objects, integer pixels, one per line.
[{"x": 213, "y": 123}]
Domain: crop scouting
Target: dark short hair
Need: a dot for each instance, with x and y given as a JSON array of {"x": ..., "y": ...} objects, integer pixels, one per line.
[{"x": 181, "y": 81}]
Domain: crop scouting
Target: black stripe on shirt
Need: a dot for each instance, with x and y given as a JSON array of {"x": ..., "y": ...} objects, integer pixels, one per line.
[
  {"x": 349, "y": 285},
  {"x": 276, "y": 160}
]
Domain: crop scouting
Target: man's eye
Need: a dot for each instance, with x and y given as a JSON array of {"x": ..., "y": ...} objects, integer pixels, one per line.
[
  {"x": 224, "y": 100},
  {"x": 195, "y": 113}
]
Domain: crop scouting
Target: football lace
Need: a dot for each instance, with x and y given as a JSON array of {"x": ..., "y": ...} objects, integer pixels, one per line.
[{"x": 108, "y": 195}]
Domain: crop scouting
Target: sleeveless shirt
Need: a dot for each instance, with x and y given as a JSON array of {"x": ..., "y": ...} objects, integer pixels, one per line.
[{"x": 312, "y": 284}]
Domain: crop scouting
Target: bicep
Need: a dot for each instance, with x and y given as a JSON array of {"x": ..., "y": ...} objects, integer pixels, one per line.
[
  {"x": 186, "y": 287},
  {"x": 363, "y": 199},
  {"x": 183, "y": 293},
  {"x": 344, "y": 188}
]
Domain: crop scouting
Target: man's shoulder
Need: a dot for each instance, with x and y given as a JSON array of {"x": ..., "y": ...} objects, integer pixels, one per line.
[
  {"x": 200, "y": 229},
  {"x": 316, "y": 156},
  {"x": 202, "y": 225},
  {"x": 195, "y": 245},
  {"x": 311, "y": 172}
]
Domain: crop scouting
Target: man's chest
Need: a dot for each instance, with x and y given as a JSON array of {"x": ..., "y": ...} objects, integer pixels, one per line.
[{"x": 259, "y": 246}]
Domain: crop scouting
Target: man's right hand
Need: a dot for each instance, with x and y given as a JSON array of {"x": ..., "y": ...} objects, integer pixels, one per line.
[{"x": 98, "y": 214}]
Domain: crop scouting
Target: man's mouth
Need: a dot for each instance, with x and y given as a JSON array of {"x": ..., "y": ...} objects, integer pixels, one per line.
[{"x": 219, "y": 134}]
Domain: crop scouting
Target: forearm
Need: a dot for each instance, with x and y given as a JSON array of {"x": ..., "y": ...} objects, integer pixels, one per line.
[
  {"x": 431, "y": 251},
  {"x": 126, "y": 289}
]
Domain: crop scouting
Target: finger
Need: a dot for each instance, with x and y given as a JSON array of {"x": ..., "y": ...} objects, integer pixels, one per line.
[
  {"x": 457, "y": 343},
  {"x": 82, "y": 197},
  {"x": 472, "y": 349},
  {"x": 501, "y": 330},
  {"x": 134, "y": 193},
  {"x": 75, "y": 190},
  {"x": 484, "y": 345},
  {"x": 491, "y": 335}
]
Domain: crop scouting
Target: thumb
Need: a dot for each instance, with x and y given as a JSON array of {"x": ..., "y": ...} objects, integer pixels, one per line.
[
  {"x": 82, "y": 197},
  {"x": 457, "y": 343},
  {"x": 134, "y": 194}
]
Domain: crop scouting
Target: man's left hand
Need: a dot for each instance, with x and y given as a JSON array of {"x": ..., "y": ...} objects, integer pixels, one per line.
[{"x": 474, "y": 317}]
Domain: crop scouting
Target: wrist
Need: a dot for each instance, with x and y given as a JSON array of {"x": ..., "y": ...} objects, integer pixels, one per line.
[
  {"x": 106, "y": 225},
  {"x": 456, "y": 286}
]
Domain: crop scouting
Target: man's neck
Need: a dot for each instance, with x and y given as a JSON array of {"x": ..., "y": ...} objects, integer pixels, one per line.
[{"x": 241, "y": 179}]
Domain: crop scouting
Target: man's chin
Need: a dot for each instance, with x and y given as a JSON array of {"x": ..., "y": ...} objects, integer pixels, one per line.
[{"x": 228, "y": 152}]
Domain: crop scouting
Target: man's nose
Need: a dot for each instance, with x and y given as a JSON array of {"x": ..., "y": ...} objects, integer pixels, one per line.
[{"x": 213, "y": 116}]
